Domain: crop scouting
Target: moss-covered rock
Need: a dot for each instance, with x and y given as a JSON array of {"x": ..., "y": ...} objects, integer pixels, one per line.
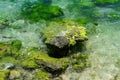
[
  {"x": 59, "y": 37},
  {"x": 10, "y": 48},
  {"x": 9, "y": 59},
  {"x": 29, "y": 63},
  {"x": 80, "y": 61},
  {"x": 7, "y": 63},
  {"x": 4, "y": 74},
  {"x": 76, "y": 34},
  {"x": 41, "y": 75},
  {"x": 4, "y": 48},
  {"x": 58, "y": 45},
  {"x": 41, "y": 9},
  {"x": 50, "y": 64},
  {"x": 71, "y": 32},
  {"x": 40, "y": 59},
  {"x": 52, "y": 30},
  {"x": 16, "y": 46},
  {"x": 14, "y": 74}
]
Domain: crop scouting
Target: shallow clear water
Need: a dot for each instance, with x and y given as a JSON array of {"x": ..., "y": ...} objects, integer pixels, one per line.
[{"x": 103, "y": 46}]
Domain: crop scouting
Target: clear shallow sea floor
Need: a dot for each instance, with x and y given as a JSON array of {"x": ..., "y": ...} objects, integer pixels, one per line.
[{"x": 103, "y": 47}]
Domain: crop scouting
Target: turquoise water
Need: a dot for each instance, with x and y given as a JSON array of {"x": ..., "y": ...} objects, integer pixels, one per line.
[{"x": 103, "y": 44}]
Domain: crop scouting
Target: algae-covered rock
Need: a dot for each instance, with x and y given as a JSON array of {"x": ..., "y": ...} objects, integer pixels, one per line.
[
  {"x": 29, "y": 63},
  {"x": 4, "y": 74},
  {"x": 41, "y": 75},
  {"x": 41, "y": 9},
  {"x": 52, "y": 65},
  {"x": 10, "y": 48},
  {"x": 7, "y": 63},
  {"x": 4, "y": 48},
  {"x": 80, "y": 61},
  {"x": 71, "y": 32},
  {"x": 41, "y": 59},
  {"x": 76, "y": 34},
  {"x": 16, "y": 46},
  {"x": 60, "y": 36},
  {"x": 59, "y": 41},
  {"x": 58, "y": 45},
  {"x": 14, "y": 74},
  {"x": 52, "y": 30}
]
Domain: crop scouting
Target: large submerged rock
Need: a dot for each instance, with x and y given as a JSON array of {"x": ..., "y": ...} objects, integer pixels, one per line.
[
  {"x": 58, "y": 45},
  {"x": 10, "y": 48},
  {"x": 60, "y": 37},
  {"x": 39, "y": 59}
]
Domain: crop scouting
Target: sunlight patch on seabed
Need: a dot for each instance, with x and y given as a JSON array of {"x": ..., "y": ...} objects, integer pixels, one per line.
[{"x": 104, "y": 48}]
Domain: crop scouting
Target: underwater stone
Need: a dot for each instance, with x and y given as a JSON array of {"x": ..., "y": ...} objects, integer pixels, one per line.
[
  {"x": 4, "y": 74},
  {"x": 59, "y": 41},
  {"x": 49, "y": 64},
  {"x": 29, "y": 64},
  {"x": 10, "y": 47},
  {"x": 14, "y": 74},
  {"x": 39, "y": 59},
  {"x": 79, "y": 61},
  {"x": 7, "y": 66},
  {"x": 58, "y": 46},
  {"x": 41, "y": 75},
  {"x": 75, "y": 34},
  {"x": 4, "y": 48},
  {"x": 51, "y": 67}
]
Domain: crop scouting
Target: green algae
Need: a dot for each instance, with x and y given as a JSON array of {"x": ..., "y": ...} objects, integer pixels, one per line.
[
  {"x": 16, "y": 46},
  {"x": 80, "y": 61},
  {"x": 35, "y": 11},
  {"x": 76, "y": 34},
  {"x": 104, "y": 2},
  {"x": 52, "y": 30},
  {"x": 7, "y": 63},
  {"x": 4, "y": 74},
  {"x": 36, "y": 55},
  {"x": 41, "y": 75},
  {"x": 10, "y": 48},
  {"x": 8, "y": 59},
  {"x": 69, "y": 30},
  {"x": 4, "y": 49},
  {"x": 14, "y": 74},
  {"x": 29, "y": 64}
]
